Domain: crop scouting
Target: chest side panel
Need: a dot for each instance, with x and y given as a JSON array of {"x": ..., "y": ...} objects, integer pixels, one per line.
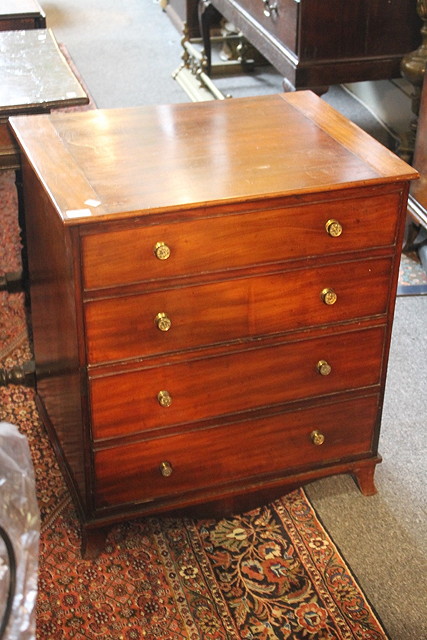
[{"x": 56, "y": 327}]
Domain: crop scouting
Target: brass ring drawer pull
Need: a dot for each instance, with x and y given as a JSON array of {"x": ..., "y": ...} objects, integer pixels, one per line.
[
  {"x": 317, "y": 437},
  {"x": 333, "y": 228},
  {"x": 166, "y": 469},
  {"x": 270, "y": 8},
  {"x": 163, "y": 322},
  {"x": 164, "y": 398},
  {"x": 162, "y": 251},
  {"x": 328, "y": 296},
  {"x": 324, "y": 368}
]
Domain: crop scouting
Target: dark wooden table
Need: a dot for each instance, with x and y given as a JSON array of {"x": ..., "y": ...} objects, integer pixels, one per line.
[
  {"x": 21, "y": 14},
  {"x": 35, "y": 78}
]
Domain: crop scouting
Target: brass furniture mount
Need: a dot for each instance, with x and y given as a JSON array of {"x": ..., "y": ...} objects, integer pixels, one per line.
[
  {"x": 333, "y": 228},
  {"x": 328, "y": 296},
  {"x": 164, "y": 398},
  {"x": 163, "y": 322},
  {"x": 166, "y": 469},
  {"x": 317, "y": 437},
  {"x": 324, "y": 368},
  {"x": 270, "y": 8},
  {"x": 162, "y": 251}
]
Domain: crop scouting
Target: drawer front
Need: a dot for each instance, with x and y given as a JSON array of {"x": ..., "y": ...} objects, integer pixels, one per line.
[
  {"x": 207, "y": 388},
  {"x": 233, "y": 453},
  {"x": 281, "y": 21},
  {"x": 230, "y": 242},
  {"x": 17, "y": 23},
  {"x": 127, "y": 327}
]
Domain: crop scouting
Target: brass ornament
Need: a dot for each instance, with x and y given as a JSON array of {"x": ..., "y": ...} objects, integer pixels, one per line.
[
  {"x": 164, "y": 398},
  {"x": 333, "y": 228},
  {"x": 162, "y": 251},
  {"x": 162, "y": 321},
  {"x": 270, "y": 8},
  {"x": 317, "y": 438},
  {"x": 166, "y": 469},
  {"x": 324, "y": 368},
  {"x": 328, "y": 296}
]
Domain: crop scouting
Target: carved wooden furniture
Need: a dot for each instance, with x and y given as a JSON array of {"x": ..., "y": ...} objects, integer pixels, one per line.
[
  {"x": 316, "y": 43},
  {"x": 21, "y": 14},
  {"x": 212, "y": 299}
]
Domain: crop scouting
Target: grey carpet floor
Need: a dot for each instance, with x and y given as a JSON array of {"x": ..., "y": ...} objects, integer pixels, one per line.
[{"x": 126, "y": 53}]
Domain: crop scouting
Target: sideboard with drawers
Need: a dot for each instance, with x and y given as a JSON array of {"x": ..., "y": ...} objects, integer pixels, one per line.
[
  {"x": 212, "y": 294},
  {"x": 317, "y": 43}
]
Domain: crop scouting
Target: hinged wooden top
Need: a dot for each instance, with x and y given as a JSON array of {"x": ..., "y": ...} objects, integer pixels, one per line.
[
  {"x": 121, "y": 162},
  {"x": 35, "y": 75},
  {"x": 20, "y": 8}
]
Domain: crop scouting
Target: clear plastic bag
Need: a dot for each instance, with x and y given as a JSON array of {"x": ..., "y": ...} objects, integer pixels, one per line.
[{"x": 19, "y": 539}]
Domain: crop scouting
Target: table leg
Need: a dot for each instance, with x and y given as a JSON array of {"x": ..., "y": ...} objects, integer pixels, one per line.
[{"x": 207, "y": 14}]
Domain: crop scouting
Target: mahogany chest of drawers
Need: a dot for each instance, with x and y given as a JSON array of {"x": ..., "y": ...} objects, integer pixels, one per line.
[{"x": 212, "y": 291}]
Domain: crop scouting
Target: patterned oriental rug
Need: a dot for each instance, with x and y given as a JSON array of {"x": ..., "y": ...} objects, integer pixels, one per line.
[{"x": 272, "y": 573}]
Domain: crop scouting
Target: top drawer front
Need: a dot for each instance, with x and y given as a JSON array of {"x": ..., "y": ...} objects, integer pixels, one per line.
[
  {"x": 235, "y": 241},
  {"x": 281, "y": 21}
]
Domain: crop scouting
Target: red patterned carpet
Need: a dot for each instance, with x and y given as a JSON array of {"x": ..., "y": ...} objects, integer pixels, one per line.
[
  {"x": 272, "y": 573},
  {"x": 13, "y": 325}
]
